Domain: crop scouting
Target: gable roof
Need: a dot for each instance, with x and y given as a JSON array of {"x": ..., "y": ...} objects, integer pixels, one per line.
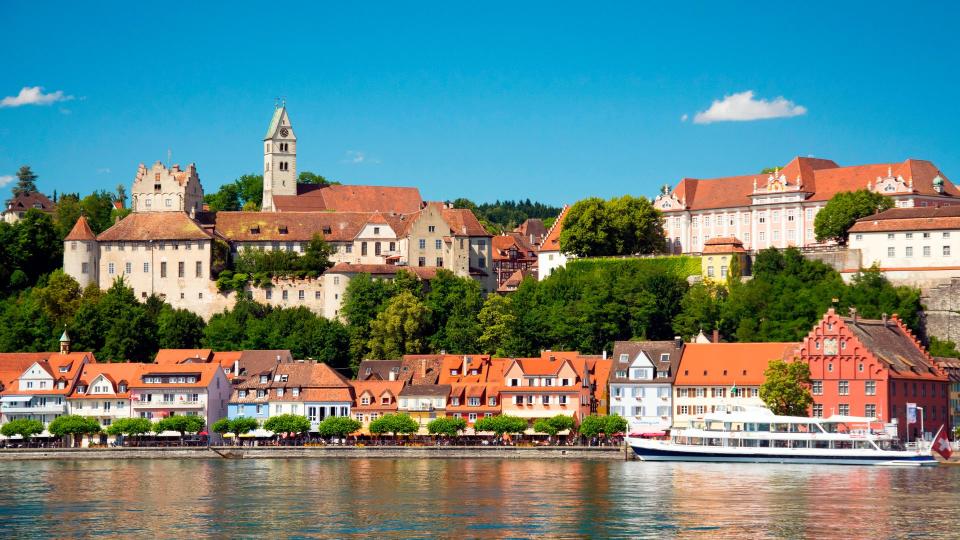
[
  {"x": 654, "y": 351},
  {"x": 894, "y": 345},
  {"x": 552, "y": 241},
  {"x": 726, "y": 364},
  {"x": 923, "y": 218},
  {"x": 81, "y": 231},
  {"x": 462, "y": 222},
  {"x": 180, "y": 356},
  {"x": 275, "y": 121},
  {"x": 22, "y": 202},
  {"x": 128, "y": 372},
  {"x": 379, "y": 370},
  {"x": 347, "y": 198},
  {"x": 146, "y": 226},
  {"x": 205, "y": 374},
  {"x": 532, "y": 229},
  {"x": 723, "y": 244}
]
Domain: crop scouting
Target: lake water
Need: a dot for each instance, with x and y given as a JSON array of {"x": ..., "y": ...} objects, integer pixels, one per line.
[{"x": 472, "y": 498}]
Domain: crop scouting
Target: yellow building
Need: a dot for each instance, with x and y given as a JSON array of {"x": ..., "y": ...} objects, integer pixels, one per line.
[{"x": 718, "y": 256}]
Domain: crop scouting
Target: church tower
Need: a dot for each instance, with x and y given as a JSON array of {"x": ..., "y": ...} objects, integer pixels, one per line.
[{"x": 279, "y": 159}]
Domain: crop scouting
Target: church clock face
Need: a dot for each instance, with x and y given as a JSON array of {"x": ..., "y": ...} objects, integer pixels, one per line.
[{"x": 284, "y": 132}]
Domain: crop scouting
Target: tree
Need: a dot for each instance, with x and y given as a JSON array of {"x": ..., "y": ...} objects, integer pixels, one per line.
[
  {"x": 121, "y": 196},
  {"x": 60, "y": 297},
  {"x": 621, "y": 226},
  {"x": 182, "y": 424},
  {"x": 400, "y": 328},
  {"x": 446, "y": 426},
  {"x": 843, "y": 210},
  {"x": 317, "y": 256},
  {"x": 786, "y": 388},
  {"x": 396, "y": 424},
  {"x": 238, "y": 426},
  {"x": 74, "y": 426},
  {"x": 497, "y": 323},
  {"x": 24, "y": 427},
  {"x": 942, "y": 348},
  {"x": 287, "y": 423},
  {"x": 500, "y": 424},
  {"x": 26, "y": 181},
  {"x": 98, "y": 207},
  {"x": 67, "y": 213},
  {"x": 179, "y": 329},
  {"x": 543, "y": 425},
  {"x": 338, "y": 426},
  {"x": 307, "y": 177},
  {"x": 593, "y": 426},
  {"x": 37, "y": 248},
  {"x": 133, "y": 427},
  {"x": 700, "y": 309},
  {"x": 246, "y": 192},
  {"x": 363, "y": 299},
  {"x": 614, "y": 424},
  {"x": 453, "y": 304}
]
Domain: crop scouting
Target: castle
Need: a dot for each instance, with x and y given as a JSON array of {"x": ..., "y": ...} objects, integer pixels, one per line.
[{"x": 171, "y": 247}]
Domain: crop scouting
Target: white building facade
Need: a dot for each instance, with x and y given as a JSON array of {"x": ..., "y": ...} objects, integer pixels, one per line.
[{"x": 641, "y": 382}]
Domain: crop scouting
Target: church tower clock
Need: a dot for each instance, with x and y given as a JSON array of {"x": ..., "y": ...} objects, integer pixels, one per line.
[{"x": 279, "y": 159}]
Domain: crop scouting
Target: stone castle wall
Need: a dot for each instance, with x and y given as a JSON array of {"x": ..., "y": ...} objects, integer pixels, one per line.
[{"x": 942, "y": 310}]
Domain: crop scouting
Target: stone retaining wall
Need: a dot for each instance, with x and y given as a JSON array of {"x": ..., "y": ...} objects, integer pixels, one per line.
[{"x": 285, "y": 452}]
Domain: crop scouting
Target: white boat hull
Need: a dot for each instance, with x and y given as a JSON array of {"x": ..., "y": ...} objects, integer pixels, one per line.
[{"x": 656, "y": 450}]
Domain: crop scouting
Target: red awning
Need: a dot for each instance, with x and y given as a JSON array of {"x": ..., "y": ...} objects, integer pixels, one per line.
[{"x": 649, "y": 434}]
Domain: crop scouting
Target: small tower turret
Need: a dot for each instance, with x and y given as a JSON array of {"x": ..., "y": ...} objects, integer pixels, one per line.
[
  {"x": 81, "y": 254},
  {"x": 279, "y": 159},
  {"x": 64, "y": 342}
]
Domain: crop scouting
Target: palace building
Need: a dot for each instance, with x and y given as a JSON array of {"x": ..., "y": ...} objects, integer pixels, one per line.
[{"x": 778, "y": 209}]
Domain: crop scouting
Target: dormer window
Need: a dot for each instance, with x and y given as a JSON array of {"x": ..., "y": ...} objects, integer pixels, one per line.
[
  {"x": 255, "y": 229},
  {"x": 279, "y": 392},
  {"x": 282, "y": 229},
  {"x": 264, "y": 379},
  {"x": 327, "y": 230},
  {"x": 241, "y": 394},
  {"x": 283, "y": 378},
  {"x": 365, "y": 400},
  {"x": 454, "y": 372},
  {"x": 385, "y": 400},
  {"x": 64, "y": 369},
  {"x": 82, "y": 389},
  {"x": 296, "y": 392},
  {"x": 122, "y": 388},
  {"x": 665, "y": 357}
]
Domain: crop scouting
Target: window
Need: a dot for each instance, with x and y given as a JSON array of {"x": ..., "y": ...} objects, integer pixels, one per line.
[
  {"x": 870, "y": 388},
  {"x": 518, "y": 400},
  {"x": 423, "y": 243},
  {"x": 492, "y": 402},
  {"x": 84, "y": 268},
  {"x": 438, "y": 244},
  {"x": 723, "y": 271},
  {"x": 285, "y": 295},
  {"x": 870, "y": 410},
  {"x": 843, "y": 409},
  {"x": 514, "y": 382},
  {"x": 363, "y": 249},
  {"x": 909, "y": 235},
  {"x": 926, "y": 251},
  {"x": 110, "y": 268},
  {"x": 946, "y": 234},
  {"x": 890, "y": 236},
  {"x": 817, "y": 388},
  {"x": 439, "y": 262},
  {"x": 269, "y": 294},
  {"x": 376, "y": 230},
  {"x": 946, "y": 250},
  {"x": 843, "y": 388},
  {"x": 926, "y": 235},
  {"x": 301, "y": 295},
  {"x": 562, "y": 400},
  {"x": 421, "y": 261},
  {"x": 891, "y": 251},
  {"x": 481, "y": 262},
  {"x": 180, "y": 269},
  {"x": 857, "y": 237},
  {"x": 431, "y": 228},
  {"x": 909, "y": 251},
  {"x": 817, "y": 410},
  {"x": 349, "y": 248},
  {"x": 473, "y": 402}
]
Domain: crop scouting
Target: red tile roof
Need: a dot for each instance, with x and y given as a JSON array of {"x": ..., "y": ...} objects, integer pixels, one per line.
[
  {"x": 81, "y": 231},
  {"x": 821, "y": 178},
  {"x": 205, "y": 374},
  {"x": 402, "y": 200},
  {"x": 552, "y": 241},
  {"x": 462, "y": 222},
  {"x": 726, "y": 364},
  {"x": 180, "y": 356},
  {"x": 144, "y": 226},
  {"x": 127, "y": 372},
  {"x": 910, "y": 219},
  {"x": 30, "y": 199},
  {"x": 725, "y": 244}
]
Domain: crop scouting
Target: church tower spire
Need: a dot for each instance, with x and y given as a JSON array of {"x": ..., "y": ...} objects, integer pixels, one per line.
[{"x": 279, "y": 159}]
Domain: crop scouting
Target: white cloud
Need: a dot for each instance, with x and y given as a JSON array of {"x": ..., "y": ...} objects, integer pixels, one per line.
[
  {"x": 6, "y": 179},
  {"x": 33, "y": 95},
  {"x": 683, "y": 118},
  {"x": 357, "y": 157},
  {"x": 742, "y": 107}
]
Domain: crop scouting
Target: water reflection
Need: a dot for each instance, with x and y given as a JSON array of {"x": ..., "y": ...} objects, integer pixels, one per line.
[{"x": 471, "y": 498}]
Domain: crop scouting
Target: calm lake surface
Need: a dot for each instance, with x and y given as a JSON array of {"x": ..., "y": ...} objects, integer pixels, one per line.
[{"x": 472, "y": 498}]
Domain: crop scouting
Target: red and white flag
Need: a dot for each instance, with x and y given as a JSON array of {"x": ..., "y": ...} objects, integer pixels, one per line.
[{"x": 942, "y": 446}]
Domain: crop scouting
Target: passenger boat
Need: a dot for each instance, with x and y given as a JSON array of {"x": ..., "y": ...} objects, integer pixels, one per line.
[{"x": 756, "y": 435}]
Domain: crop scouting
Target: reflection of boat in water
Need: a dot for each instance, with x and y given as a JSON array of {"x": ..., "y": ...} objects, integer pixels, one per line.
[{"x": 756, "y": 435}]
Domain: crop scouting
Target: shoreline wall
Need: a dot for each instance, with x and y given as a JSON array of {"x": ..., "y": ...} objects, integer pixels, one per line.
[{"x": 335, "y": 452}]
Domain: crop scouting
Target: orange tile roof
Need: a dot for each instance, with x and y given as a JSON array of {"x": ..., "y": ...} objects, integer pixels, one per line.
[
  {"x": 462, "y": 222},
  {"x": 205, "y": 374},
  {"x": 128, "y": 372},
  {"x": 821, "y": 178},
  {"x": 345, "y": 198},
  {"x": 376, "y": 389},
  {"x": 552, "y": 241},
  {"x": 726, "y": 364},
  {"x": 144, "y": 226},
  {"x": 179, "y": 356},
  {"x": 81, "y": 231},
  {"x": 724, "y": 244},
  {"x": 910, "y": 219}
]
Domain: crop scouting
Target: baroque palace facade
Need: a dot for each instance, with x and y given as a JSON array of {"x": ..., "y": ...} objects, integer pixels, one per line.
[
  {"x": 171, "y": 247},
  {"x": 778, "y": 209}
]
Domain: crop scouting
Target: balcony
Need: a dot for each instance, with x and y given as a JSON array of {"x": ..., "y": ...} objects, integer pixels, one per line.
[
  {"x": 175, "y": 404},
  {"x": 38, "y": 409}
]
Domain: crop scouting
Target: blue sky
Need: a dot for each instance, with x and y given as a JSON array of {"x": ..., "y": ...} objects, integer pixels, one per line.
[{"x": 552, "y": 101}]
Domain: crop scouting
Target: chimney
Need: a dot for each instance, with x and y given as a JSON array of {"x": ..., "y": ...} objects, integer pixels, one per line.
[
  {"x": 278, "y": 358},
  {"x": 392, "y": 376},
  {"x": 884, "y": 318},
  {"x": 423, "y": 368},
  {"x": 678, "y": 342},
  {"x": 604, "y": 354},
  {"x": 236, "y": 367},
  {"x": 716, "y": 336},
  {"x": 853, "y": 314},
  {"x": 466, "y": 363}
]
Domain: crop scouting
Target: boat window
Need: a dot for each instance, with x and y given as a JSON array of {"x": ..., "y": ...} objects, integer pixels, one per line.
[{"x": 763, "y": 427}]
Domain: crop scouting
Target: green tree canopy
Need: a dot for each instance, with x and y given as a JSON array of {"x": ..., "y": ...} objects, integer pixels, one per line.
[
  {"x": 446, "y": 426},
  {"x": 130, "y": 426},
  {"x": 24, "y": 427},
  {"x": 400, "y": 328},
  {"x": 396, "y": 424},
  {"x": 497, "y": 322},
  {"x": 182, "y": 424},
  {"x": 500, "y": 424},
  {"x": 287, "y": 423},
  {"x": 786, "y": 388},
  {"x": 338, "y": 426},
  {"x": 237, "y": 426},
  {"x": 453, "y": 304},
  {"x": 593, "y": 426},
  {"x": 834, "y": 220},
  {"x": 621, "y": 226},
  {"x": 26, "y": 181},
  {"x": 74, "y": 426}
]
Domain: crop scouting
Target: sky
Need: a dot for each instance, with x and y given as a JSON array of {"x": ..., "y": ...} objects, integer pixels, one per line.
[{"x": 551, "y": 101}]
